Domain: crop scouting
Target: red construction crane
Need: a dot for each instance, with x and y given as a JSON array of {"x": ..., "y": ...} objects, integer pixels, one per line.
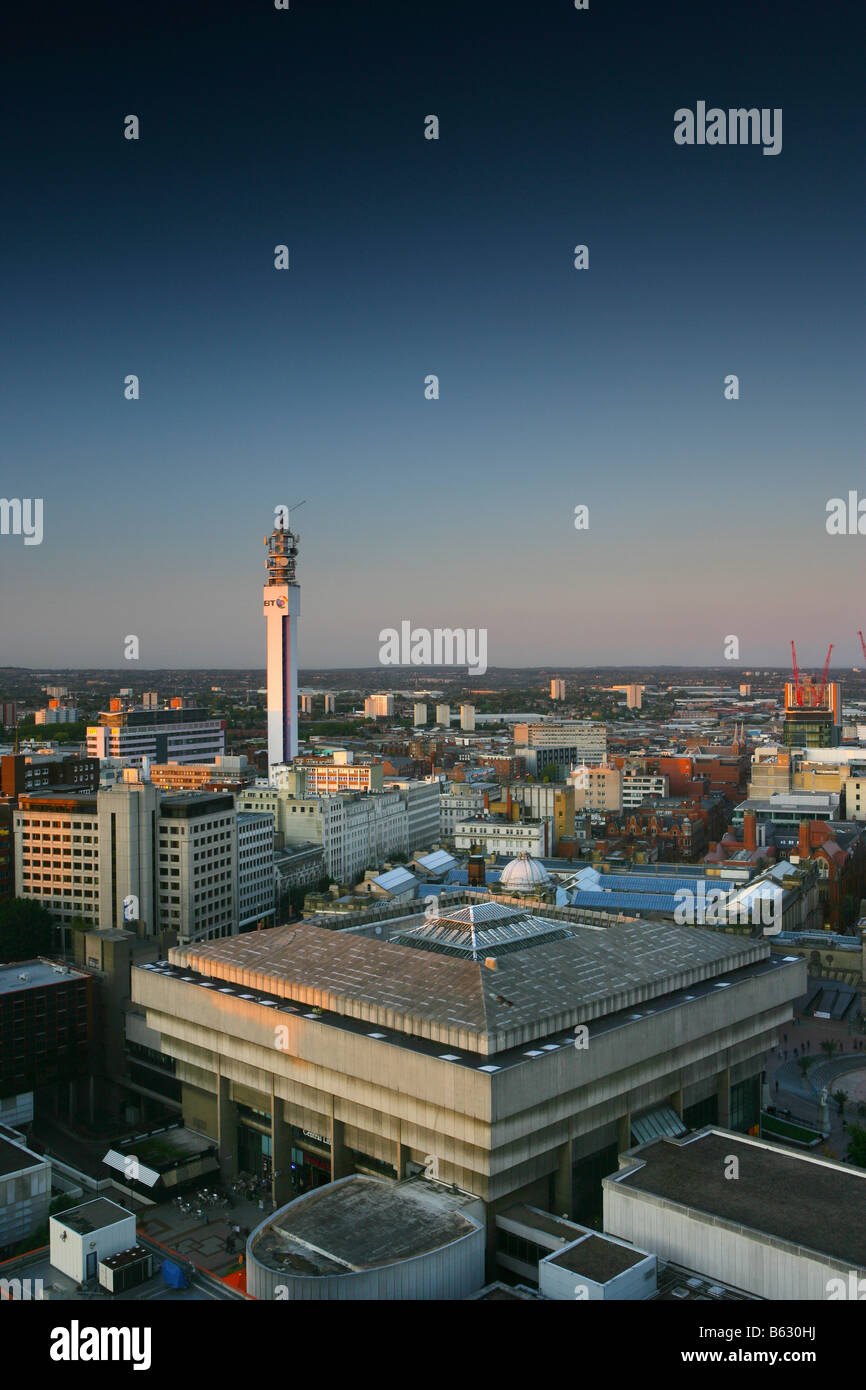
[
  {"x": 820, "y": 699},
  {"x": 797, "y": 686},
  {"x": 862, "y": 644}
]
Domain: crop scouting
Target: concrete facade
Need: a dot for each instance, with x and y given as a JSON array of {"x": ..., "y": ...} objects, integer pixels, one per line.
[{"x": 405, "y": 1056}]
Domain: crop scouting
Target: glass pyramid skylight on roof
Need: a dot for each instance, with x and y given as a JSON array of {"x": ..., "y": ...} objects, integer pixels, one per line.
[{"x": 482, "y": 930}]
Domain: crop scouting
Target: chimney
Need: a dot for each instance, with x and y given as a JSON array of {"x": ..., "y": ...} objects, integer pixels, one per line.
[
  {"x": 804, "y": 848},
  {"x": 750, "y": 839}
]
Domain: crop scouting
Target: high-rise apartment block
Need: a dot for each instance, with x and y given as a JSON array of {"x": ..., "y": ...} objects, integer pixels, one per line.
[{"x": 379, "y": 706}]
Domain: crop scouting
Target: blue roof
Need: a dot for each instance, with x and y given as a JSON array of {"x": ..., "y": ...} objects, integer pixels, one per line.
[
  {"x": 634, "y": 902},
  {"x": 649, "y": 883}
]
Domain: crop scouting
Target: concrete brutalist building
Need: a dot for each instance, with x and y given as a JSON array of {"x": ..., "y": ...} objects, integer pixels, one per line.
[{"x": 448, "y": 1046}]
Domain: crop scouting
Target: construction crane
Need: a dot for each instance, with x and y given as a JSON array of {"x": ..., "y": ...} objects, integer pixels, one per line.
[
  {"x": 814, "y": 695},
  {"x": 862, "y": 644},
  {"x": 798, "y": 689},
  {"x": 820, "y": 699}
]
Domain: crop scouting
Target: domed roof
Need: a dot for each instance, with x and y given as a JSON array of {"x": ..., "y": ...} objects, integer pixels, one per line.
[{"x": 524, "y": 874}]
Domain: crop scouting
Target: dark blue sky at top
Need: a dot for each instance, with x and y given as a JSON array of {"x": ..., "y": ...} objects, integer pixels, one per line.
[{"x": 411, "y": 257}]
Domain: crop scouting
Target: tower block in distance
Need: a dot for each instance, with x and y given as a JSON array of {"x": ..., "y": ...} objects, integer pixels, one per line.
[{"x": 282, "y": 609}]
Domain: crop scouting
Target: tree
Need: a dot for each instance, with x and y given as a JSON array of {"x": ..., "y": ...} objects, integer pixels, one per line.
[
  {"x": 830, "y": 1046},
  {"x": 857, "y": 1145},
  {"x": 841, "y": 1099},
  {"x": 25, "y": 929}
]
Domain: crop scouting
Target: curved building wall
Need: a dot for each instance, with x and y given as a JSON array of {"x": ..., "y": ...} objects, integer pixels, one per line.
[{"x": 452, "y": 1271}]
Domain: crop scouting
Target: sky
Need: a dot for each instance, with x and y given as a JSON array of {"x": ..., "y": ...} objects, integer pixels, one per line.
[{"x": 558, "y": 387}]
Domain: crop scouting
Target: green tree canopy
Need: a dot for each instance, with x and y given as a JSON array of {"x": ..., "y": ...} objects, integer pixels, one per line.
[{"x": 25, "y": 929}]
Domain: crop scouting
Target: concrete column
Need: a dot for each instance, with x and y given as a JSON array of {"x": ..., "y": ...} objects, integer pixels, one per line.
[
  {"x": 401, "y": 1153},
  {"x": 562, "y": 1193},
  {"x": 281, "y": 1154},
  {"x": 623, "y": 1132},
  {"x": 724, "y": 1093},
  {"x": 677, "y": 1101},
  {"x": 341, "y": 1160},
  {"x": 227, "y": 1130}
]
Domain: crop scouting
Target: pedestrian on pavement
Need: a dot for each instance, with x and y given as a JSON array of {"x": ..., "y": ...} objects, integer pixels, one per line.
[{"x": 777, "y": 1087}]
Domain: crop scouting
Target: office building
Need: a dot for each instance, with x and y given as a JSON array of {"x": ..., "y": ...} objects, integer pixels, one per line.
[
  {"x": 557, "y": 746},
  {"x": 45, "y": 1023},
  {"x": 813, "y": 714},
  {"x": 356, "y": 830},
  {"x": 597, "y": 789},
  {"x": 226, "y": 773},
  {"x": 281, "y": 601},
  {"x": 421, "y": 799},
  {"x": 459, "y": 803},
  {"x": 537, "y": 801},
  {"x": 327, "y": 776},
  {"x": 639, "y": 788},
  {"x": 486, "y": 834},
  {"x": 127, "y": 854},
  {"x": 8, "y": 714},
  {"x": 35, "y": 772},
  {"x": 179, "y": 734},
  {"x": 198, "y": 865},
  {"x": 255, "y": 869}
]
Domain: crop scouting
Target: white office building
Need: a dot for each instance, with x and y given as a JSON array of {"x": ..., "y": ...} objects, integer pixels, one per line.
[
  {"x": 357, "y": 830},
  {"x": 488, "y": 836},
  {"x": 255, "y": 869},
  {"x": 163, "y": 736}
]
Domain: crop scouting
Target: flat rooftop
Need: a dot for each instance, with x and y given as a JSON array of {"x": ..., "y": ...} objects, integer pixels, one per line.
[
  {"x": 15, "y": 1158},
  {"x": 359, "y": 1224},
  {"x": 822, "y": 1206},
  {"x": 597, "y": 1258},
  {"x": 444, "y": 979},
  {"x": 588, "y": 975},
  {"x": 92, "y": 1216},
  {"x": 39, "y": 973}
]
